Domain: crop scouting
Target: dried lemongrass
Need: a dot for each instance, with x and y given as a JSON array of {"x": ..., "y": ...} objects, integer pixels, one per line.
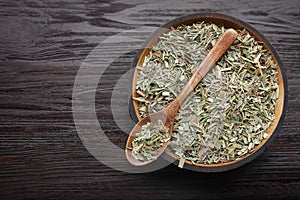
[
  {"x": 148, "y": 140},
  {"x": 230, "y": 110}
]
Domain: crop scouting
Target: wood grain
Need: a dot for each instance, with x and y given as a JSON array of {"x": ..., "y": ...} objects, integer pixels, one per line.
[{"x": 42, "y": 45}]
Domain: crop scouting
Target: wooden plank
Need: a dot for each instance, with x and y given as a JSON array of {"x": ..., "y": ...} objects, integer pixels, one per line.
[{"x": 42, "y": 45}]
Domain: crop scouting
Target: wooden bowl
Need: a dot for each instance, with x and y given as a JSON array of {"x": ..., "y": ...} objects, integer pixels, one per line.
[{"x": 227, "y": 22}]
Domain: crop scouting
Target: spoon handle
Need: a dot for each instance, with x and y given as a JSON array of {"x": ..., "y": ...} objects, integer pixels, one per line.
[{"x": 212, "y": 57}]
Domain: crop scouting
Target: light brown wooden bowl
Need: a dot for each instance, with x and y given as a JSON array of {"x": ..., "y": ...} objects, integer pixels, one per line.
[{"x": 227, "y": 22}]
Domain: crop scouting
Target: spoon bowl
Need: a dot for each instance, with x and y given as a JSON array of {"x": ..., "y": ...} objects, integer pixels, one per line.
[{"x": 153, "y": 118}]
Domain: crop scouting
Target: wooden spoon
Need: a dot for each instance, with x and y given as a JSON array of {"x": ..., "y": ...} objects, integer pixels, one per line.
[{"x": 167, "y": 115}]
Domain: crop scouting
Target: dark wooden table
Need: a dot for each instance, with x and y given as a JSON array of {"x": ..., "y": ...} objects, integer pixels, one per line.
[{"x": 43, "y": 44}]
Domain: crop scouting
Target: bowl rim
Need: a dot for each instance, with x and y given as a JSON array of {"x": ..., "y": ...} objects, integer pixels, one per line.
[{"x": 266, "y": 43}]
